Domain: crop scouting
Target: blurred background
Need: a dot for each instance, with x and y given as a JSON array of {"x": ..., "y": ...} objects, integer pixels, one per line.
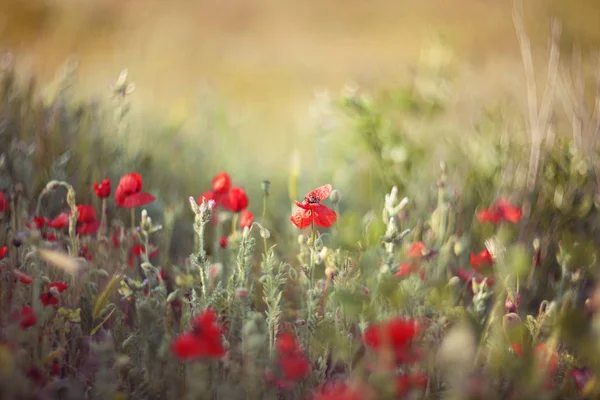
[{"x": 244, "y": 86}]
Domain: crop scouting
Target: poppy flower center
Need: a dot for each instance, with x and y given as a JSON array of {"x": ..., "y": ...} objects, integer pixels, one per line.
[{"x": 312, "y": 200}]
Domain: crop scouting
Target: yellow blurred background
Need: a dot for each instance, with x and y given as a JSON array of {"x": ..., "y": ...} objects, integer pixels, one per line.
[{"x": 266, "y": 58}]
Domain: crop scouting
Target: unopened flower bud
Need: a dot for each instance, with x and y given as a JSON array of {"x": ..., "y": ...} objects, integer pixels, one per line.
[
  {"x": 241, "y": 293},
  {"x": 265, "y": 186},
  {"x": 454, "y": 281},
  {"x": 335, "y": 196}
]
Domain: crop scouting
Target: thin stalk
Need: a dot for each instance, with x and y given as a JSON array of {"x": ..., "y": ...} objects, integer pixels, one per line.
[
  {"x": 264, "y": 217},
  {"x": 313, "y": 249}
]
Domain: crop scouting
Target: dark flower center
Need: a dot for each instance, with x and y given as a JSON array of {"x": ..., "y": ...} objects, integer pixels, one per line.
[{"x": 312, "y": 199}]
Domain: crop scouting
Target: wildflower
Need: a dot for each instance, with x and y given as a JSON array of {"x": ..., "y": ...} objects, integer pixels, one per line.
[
  {"x": 405, "y": 383},
  {"x": 137, "y": 250},
  {"x": 3, "y": 203},
  {"x": 481, "y": 259},
  {"x": 60, "y": 221},
  {"x": 58, "y": 286},
  {"x": 502, "y": 210},
  {"x": 37, "y": 223},
  {"x": 223, "y": 242},
  {"x": 246, "y": 219},
  {"x": 339, "y": 391},
  {"x": 221, "y": 183},
  {"x": 129, "y": 192},
  {"x": 85, "y": 253},
  {"x": 49, "y": 299},
  {"x": 203, "y": 341},
  {"x": 49, "y": 237},
  {"x": 311, "y": 210},
  {"x": 102, "y": 189},
  {"x": 546, "y": 359},
  {"x": 238, "y": 200},
  {"x": 416, "y": 252},
  {"x": 3, "y": 252},
  {"x": 290, "y": 358},
  {"x": 511, "y": 306},
  {"x": 23, "y": 278},
  {"x": 396, "y": 332},
  {"x": 470, "y": 277},
  {"x": 28, "y": 318},
  {"x": 88, "y": 224}
]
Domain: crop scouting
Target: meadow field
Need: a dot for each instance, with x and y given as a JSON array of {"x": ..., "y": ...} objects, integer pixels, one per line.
[{"x": 296, "y": 200}]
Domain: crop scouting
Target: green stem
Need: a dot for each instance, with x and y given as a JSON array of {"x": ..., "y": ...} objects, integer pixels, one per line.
[
  {"x": 234, "y": 220},
  {"x": 312, "y": 253},
  {"x": 264, "y": 217},
  {"x": 132, "y": 211}
]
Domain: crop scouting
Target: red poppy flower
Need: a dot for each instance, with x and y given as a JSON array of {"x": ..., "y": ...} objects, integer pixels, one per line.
[
  {"x": 129, "y": 192},
  {"x": 102, "y": 189},
  {"x": 3, "y": 203},
  {"x": 221, "y": 183},
  {"x": 37, "y": 223},
  {"x": 60, "y": 221},
  {"x": 311, "y": 210},
  {"x": 23, "y": 278},
  {"x": 203, "y": 341},
  {"x": 502, "y": 210},
  {"x": 137, "y": 250},
  {"x": 223, "y": 242},
  {"x": 417, "y": 250},
  {"x": 85, "y": 253},
  {"x": 473, "y": 276},
  {"x": 484, "y": 258},
  {"x": 406, "y": 269},
  {"x": 48, "y": 299},
  {"x": 396, "y": 332},
  {"x": 208, "y": 195},
  {"x": 49, "y": 237},
  {"x": 59, "y": 286},
  {"x": 290, "y": 358},
  {"x": 406, "y": 383},
  {"x": 28, "y": 318},
  {"x": 238, "y": 200},
  {"x": 339, "y": 391},
  {"x": 88, "y": 224},
  {"x": 3, "y": 252},
  {"x": 246, "y": 219}
]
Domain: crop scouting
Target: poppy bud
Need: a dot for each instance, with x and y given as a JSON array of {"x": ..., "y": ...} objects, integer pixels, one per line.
[
  {"x": 265, "y": 186},
  {"x": 335, "y": 196}
]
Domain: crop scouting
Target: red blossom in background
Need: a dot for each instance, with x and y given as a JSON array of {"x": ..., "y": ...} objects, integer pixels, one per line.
[
  {"x": 23, "y": 278},
  {"x": 246, "y": 219},
  {"x": 397, "y": 333},
  {"x": 290, "y": 358},
  {"x": 88, "y": 224},
  {"x": 60, "y": 221},
  {"x": 238, "y": 200},
  {"x": 85, "y": 253},
  {"x": 470, "y": 276},
  {"x": 49, "y": 299},
  {"x": 204, "y": 340},
  {"x": 129, "y": 192},
  {"x": 37, "y": 223},
  {"x": 3, "y": 203},
  {"x": 102, "y": 189},
  {"x": 311, "y": 210},
  {"x": 406, "y": 383},
  {"x": 484, "y": 258},
  {"x": 59, "y": 286},
  {"x": 49, "y": 237},
  {"x": 3, "y": 252},
  {"x": 221, "y": 183},
  {"x": 502, "y": 210},
  {"x": 339, "y": 391},
  {"x": 28, "y": 318},
  {"x": 416, "y": 253},
  {"x": 137, "y": 250},
  {"x": 223, "y": 242}
]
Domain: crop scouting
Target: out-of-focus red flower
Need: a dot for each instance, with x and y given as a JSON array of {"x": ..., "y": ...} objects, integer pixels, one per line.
[
  {"x": 339, "y": 391},
  {"x": 221, "y": 183},
  {"x": 49, "y": 236},
  {"x": 23, "y": 278},
  {"x": 311, "y": 210},
  {"x": 88, "y": 224},
  {"x": 102, "y": 189},
  {"x": 208, "y": 195},
  {"x": 246, "y": 219},
  {"x": 406, "y": 383},
  {"x": 223, "y": 242},
  {"x": 547, "y": 359},
  {"x": 396, "y": 333},
  {"x": 290, "y": 358},
  {"x": 129, "y": 192},
  {"x": 470, "y": 276},
  {"x": 417, "y": 250},
  {"x": 3, "y": 203},
  {"x": 238, "y": 200},
  {"x": 204, "y": 340},
  {"x": 59, "y": 286},
  {"x": 137, "y": 250},
  {"x": 60, "y": 221},
  {"x": 3, "y": 252},
  {"x": 502, "y": 210},
  {"x": 28, "y": 318},
  {"x": 37, "y": 223},
  {"x": 512, "y": 306},
  {"x": 49, "y": 299},
  {"x": 484, "y": 258},
  {"x": 85, "y": 253}
]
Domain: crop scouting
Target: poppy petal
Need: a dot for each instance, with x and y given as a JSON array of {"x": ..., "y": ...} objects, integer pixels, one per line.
[
  {"x": 302, "y": 218},
  {"x": 320, "y": 193},
  {"x": 137, "y": 200},
  {"x": 324, "y": 216}
]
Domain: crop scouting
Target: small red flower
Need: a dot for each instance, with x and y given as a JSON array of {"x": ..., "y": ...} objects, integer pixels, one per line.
[
  {"x": 49, "y": 237},
  {"x": 339, "y": 391},
  {"x": 406, "y": 269},
  {"x": 290, "y": 358},
  {"x": 28, "y": 318},
  {"x": 85, "y": 253},
  {"x": 3, "y": 252},
  {"x": 223, "y": 242},
  {"x": 417, "y": 250},
  {"x": 60, "y": 221},
  {"x": 221, "y": 183},
  {"x": 88, "y": 224},
  {"x": 129, "y": 192},
  {"x": 203, "y": 341},
  {"x": 3, "y": 203},
  {"x": 396, "y": 332},
  {"x": 502, "y": 210},
  {"x": 484, "y": 258},
  {"x": 23, "y": 278},
  {"x": 102, "y": 189},
  {"x": 246, "y": 219},
  {"x": 208, "y": 195},
  {"x": 408, "y": 382},
  {"x": 137, "y": 250},
  {"x": 37, "y": 223},
  {"x": 59, "y": 286},
  {"x": 238, "y": 200},
  {"x": 48, "y": 299},
  {"x": 311, "y": 210},
  {"x": 473, "y": 276}
]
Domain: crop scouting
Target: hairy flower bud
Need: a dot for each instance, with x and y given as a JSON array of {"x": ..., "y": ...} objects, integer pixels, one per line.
[{"x": 335, "y": 196}]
